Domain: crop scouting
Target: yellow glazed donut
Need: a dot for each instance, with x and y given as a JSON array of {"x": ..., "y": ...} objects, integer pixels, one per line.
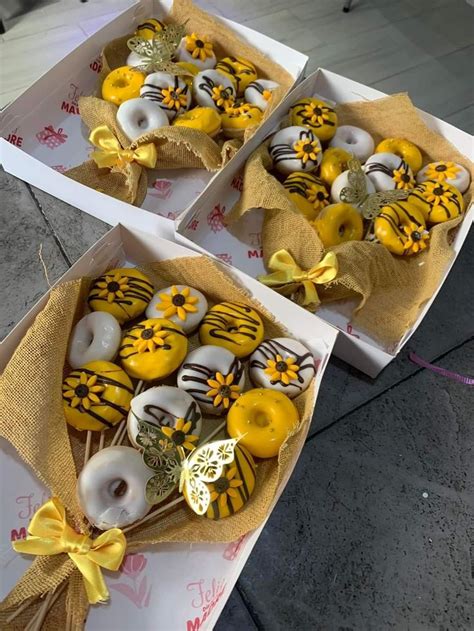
[
  {"x": 339, "y": 223},
  {"x": 96, "y": 396},
  {"x": 192, "y": 69},
  {"x": 235, "y": 120},
  {"x": 123, "y": 292},
  {"x": 334, "y": 162},
  {"x": 262, "y": 419},
  {"x": 401, "y": 228},
  {"x": 307, "y": 192},
  {"x": 240, "y": 70},
  {"x": 204, "y": 119},
  {"x": 149, "y": 28},
  {"x": 403, "y": 149},
  {"x": 153, "y": 349},
  {"x": 234, "y": 326},
  {"x": 437, "y": 201},
  {"x": 315, "y": 114},
  {"x": 235, "y": 486},
  {"x": 122, "y": 84}
]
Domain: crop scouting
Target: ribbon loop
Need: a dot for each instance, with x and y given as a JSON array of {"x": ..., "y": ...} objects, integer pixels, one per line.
[
  {"x": 111, "y": 154},
  {"x": 284, "y": 271},
  {"x": 49, "y": 533}
]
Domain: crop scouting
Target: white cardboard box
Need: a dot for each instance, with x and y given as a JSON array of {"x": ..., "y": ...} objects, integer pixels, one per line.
[
  {"x": 201, "y": 225},
  {"x": 181, "y": 586},
  {"x": 42, "y": 134}
]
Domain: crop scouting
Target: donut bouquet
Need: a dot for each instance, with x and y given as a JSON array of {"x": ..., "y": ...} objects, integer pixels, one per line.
[
  {"x": 360, "y": 198},
  {"x": 153, "y": 412},
  {"x": 180, "y": 93}
]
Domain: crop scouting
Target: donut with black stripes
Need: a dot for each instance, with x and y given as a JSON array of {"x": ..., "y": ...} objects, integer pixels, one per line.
[
  {"x": 315, "y": 114},
  {"x": 168, "y": 91},
  {"x": 388, "y": 171}
]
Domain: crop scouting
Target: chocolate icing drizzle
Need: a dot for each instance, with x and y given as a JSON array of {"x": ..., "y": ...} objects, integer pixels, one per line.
[
  {"x": 155, "y": 92},
  {"x": 431, "y": 205},
  {"x": 198, "y": 382},
  {"x": 139, "y": 290},
  {"x": 228, "y": 68},
  {"x": 160, "y": 415},
  {"x": 299, "y": 185},
  {"x": 271, "y": 348},
  {"x": 207, "y": 86},
  {"x": 223, "y": 323},
  {"x": 325, "y": 109},
  {"x": 401, "y": 211},
  {"x": 285, "y": 151},
  {"x": 378, "y": 167}
]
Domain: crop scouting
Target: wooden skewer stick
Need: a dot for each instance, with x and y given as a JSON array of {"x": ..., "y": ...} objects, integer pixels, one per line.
[
  {"x": 101, "y": 440},
  {"x": 88, "y": 446},
  {"x": 155, "y": 513},
  {"x": 122, "y": 435},
  {"x": 214, "y": 432},
  {"x": 117, "y": 433},
  {"x": 36, "y": 622},
  {"x": 26, "y": 603},
  {"x": 120, "y": 432}
]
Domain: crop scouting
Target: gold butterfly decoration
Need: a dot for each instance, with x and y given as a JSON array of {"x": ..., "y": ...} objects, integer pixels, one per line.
[
  {"x": 157, "y": 53},
  {"x": 173, "y": 469},
  {"x": 356, "y": 193}
]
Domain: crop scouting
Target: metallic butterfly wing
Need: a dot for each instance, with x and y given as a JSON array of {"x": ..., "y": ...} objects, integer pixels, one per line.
[
  {"x": 356, "y": 191},
  {"x": 157, "y": 53},
  {"x": 204, "y": 465},
  {"x": 162, "y": 456},
  {"x": 376, "y": 201}
]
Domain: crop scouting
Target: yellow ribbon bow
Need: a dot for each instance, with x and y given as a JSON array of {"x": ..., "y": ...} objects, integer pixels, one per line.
[
  {"x": 51, "y": 534},
  {"x": 285, "y": 271},
  {"x": 111, "y": 153}
]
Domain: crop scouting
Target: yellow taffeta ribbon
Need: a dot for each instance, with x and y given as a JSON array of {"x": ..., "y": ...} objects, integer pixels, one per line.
[
  {"x": 111, "y": 153},
  {"x": 51, "y": 534},
  {"x": 285, "y": 271}
]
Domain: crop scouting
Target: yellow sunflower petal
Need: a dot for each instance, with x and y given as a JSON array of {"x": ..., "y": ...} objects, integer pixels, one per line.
[
  {"x": 167, "y": 431},
  {"x": 182, "y": 315},
  {"x": 192, "y": 438},
  {"x": 235, "y": 483},
  {"x": 217, "y": 400},
  {"x": 229, "y": 379},
  {"x": 212, "y": 393},
  {"x": 223, "y": 500},
  {"x": 220, "y": 378},
  {"x": 92, "y": 380},
  {"x": 291, "y": 374},
  {"x": 190, "y": 308},
  {"x": 226, "y": 402},
  {"x": 213, "y": 383},
  {"x": 93, "y": 397},
  {"x": 214, "y": 496},
  {"x": 180, "y": 425},
  {"x": 103, "y": 293},
  {"x": 86, "y": 404},
  {"x": 69, "y": 394},
  {"x": 232, "y": 492},
  {"x": 75, "y": 402}
]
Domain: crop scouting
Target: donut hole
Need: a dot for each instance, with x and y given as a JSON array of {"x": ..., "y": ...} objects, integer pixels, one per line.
[
  {"x": 350, "y": 140},
  {"x": 118, "y": 488},
  {"x": 231, "y": 327},
  {"x": 342, "y": 230},
  {"x": 142, "y": 122},
  {"x": 120, "y": 83},
  {"x": 261, "y": 418}
]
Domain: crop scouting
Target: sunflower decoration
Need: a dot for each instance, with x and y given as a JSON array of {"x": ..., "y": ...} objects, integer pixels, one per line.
[
  {"x": 437, "y": 193},
  {"x": 441, "y": 171},
  {"x": 113, "y": 287},
  {"x": 416, "y": 238},
  {"x": 225, "y": 487},
  {"x": 223, "y": 97},
  {"x": 318, "y": 196},
  {"x": 223, "y": 390},
  {"x": 267, "y": 95},
  {"x": 82, "y": 390},
  {"x": 179, "y": 303},
  {"x": 150, "y": 339},
  {"x": 403, "y": 179},
  {"x": 284, "y": 370},
  {"x": 180, "y": 435},
  {"x": 317, "y": 114},
  {"x": 174, "y": 98},
  {"x": 199, "y": 47},
  {"x": 306, "y": 150}
]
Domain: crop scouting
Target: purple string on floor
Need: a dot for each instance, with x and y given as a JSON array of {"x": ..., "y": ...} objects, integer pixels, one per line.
[{"x": 467, "y": 381}]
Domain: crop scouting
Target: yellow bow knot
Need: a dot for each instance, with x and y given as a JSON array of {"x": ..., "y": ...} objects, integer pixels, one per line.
[
  {"x": 49, "y": 533},
  {"x": 285, "y": 271},
  {"x": 111, "y": 153}
]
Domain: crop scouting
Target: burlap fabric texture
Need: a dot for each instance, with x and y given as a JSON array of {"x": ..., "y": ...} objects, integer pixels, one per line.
[
  {"x": 388, "y": 291},
  {"x": 178, "y": 147},
  {"x": 30, "y": 399}
]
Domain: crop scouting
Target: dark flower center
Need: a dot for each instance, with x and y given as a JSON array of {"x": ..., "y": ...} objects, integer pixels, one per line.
[
  {"x": 405, "y": 177},
  {"x": 113, "y": 286},
  {"x": 81, "y": 390},
  {"x": 281, "y": 366},
  {"x": 318, "y": 111},
  {"x": 179, "y": 437},
  {"x": 174, "y": 95},
  {"x": 308, "y": 147},
  {"x": 178, "y": 300},
  {"x": 416, "y": 236},
  {"x": 441, "y": 167},
  {"x": 320, "y": 196},
  {"x": 225, "y": 391},
  {"x": 199, "y": 43},
  {"x": 439, "y": 190},
  {"x": 147, "y": 334},
  {"x": 221, "y": 485}
]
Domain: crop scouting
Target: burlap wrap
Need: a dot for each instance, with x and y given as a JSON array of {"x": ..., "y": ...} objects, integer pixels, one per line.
[
  {"x": 30, "y": 399},
  {"x": 389, "y": 290},
  {"x": 178, "y": 147}
]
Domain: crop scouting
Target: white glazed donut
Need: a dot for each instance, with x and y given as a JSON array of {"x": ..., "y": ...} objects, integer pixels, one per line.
[
  {"x": 282, "y": 364},
  {"x": 295, "y": 149},
  {"x": 212, "y": 88},
  {"x": 163, "y": 406},
  {"x": 342, "y": 181},
  {"x": 445, "y": 173},
  {"x": 192, "y": 49},
  {"x": 168, "y": 91},
  {"x": 259, "y": 92},
  {"x": 387, "y": 171},
  {"x": 111, "y": 487},
  {"x": 140, "y": 116},
  {"x": 213, "y": 376},
  {"x": 354, "y": 140},
  {"x": 181, "y": 304},
  {"x": 134, "y": 60},
  {"x": 95, "y": 337}
]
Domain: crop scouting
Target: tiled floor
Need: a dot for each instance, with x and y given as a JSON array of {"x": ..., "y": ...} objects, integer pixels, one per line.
[{"x": 376, "y": 528}]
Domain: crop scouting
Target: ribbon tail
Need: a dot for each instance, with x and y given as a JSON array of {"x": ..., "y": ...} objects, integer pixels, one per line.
[
  {"x": 94, "y": 582},
  {"x": 275, "y": 278},
  {"x": 38, "y": 546},
  {"x": 146, "y": 155},
  {"x": 310, "y": 293}
]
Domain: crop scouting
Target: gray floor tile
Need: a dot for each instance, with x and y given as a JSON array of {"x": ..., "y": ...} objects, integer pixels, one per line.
[
  {"x": 439, "y": 332},
  {"x": 23, "y": 231},
  {"x": 464, "y": 119},
  {"x": 373, "y": 529},
  {"x": 235, "y": 616}
]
